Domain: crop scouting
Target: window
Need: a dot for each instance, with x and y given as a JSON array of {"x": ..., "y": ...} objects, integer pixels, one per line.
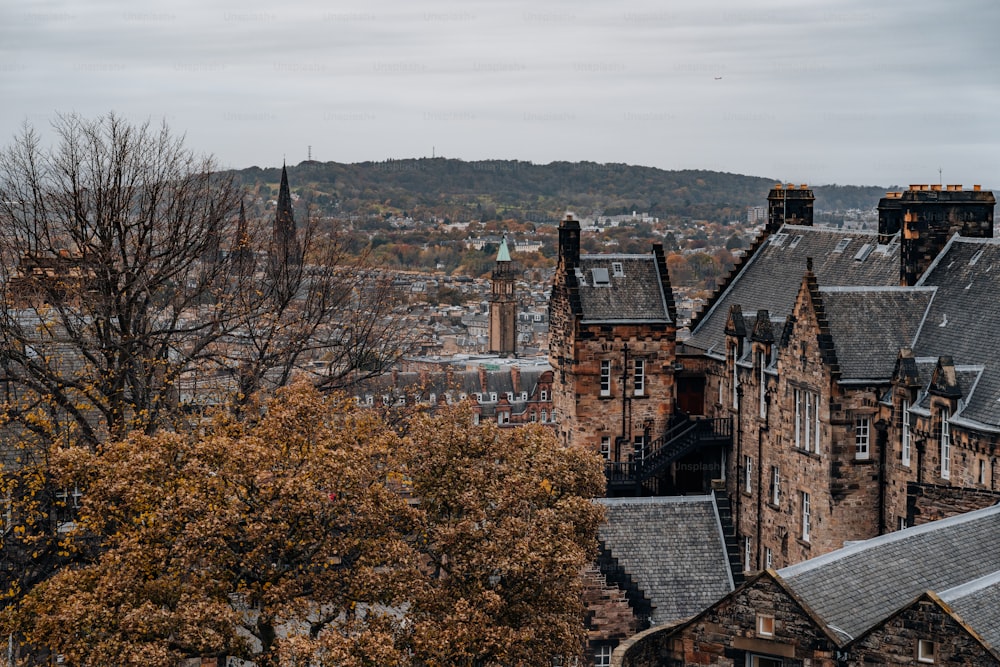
[
  {"x": 982, "y": 471},
  {"x": 746, "y": 553},
  {"x": 606, "y": 447},
  {"x": 763, "y": 661},
  {"x": 605, "y": 377},
  {"x": 748, "y": 474},
  {"x": 798, "y": 419},
  {"x": 510, "y": 397},
  {"x": 503, "y": 417},
  {"x": 925, "y": 651},
  {"x": 639, "y": 448},
  {"x": 736, "y": 380},
  {"x": 765, "y": 625},
  {"x": 945, "y": 444},
  {"x": 639, "y": 385},
  {"x": 544, "y": 395},
  {"x": 816, "y": 423},
  {"x": 905, "y": 429},
  {"x": 761, "y": 358},
  {"x": 806, "y": 516},
  {"x": 493, "y": 397},
  {"x": 862, "y": 428},
  {"x": 617, "y": 269},
  {"x": 545, "y": 416},
  {"x": 721, "y": 382},
  {"x": 600, "y": 276},
  {"x": 534, "y": 417},
  {"x": 805, "y": 422},
  {"x": 775, "y": 485},
  {"x": 475, "y": 418},
  {"x": 768, "y": 558},
  {"x": 602, "y": 656}
]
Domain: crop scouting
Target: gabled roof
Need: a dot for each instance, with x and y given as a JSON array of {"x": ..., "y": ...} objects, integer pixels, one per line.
[
  {"x": 673, "y": 549},
  {"x": 856, "y": 587},
  {"x": 963, "y": 321},
  {"x": 869, "y": 325},
  {"x": 978, "y": 604},
  {"x": 770, "y": 279},
  {"x": 633, "y": 294}
]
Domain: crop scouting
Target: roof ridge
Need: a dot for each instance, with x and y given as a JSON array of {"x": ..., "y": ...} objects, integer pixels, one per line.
[
  {"x": 888, "y": 538},
  {"x": 970, "y": 587}
]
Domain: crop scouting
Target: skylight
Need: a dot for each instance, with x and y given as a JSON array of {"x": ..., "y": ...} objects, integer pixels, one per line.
[
  {"x": 866, "y": 250},
  {"x": 842, "y": 245},
  {"x": 601, "y": 276}
]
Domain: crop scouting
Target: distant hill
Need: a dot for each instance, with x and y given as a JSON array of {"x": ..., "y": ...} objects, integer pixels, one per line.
[{"x": 500, "y": 189}]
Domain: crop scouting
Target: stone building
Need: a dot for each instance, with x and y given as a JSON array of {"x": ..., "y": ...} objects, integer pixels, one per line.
[
  {"x": 925, "y": 595},
  {"x": 660, "y": 560},
  {"x": 612, "y": 329},
  {"x": 858, "y": 398}
]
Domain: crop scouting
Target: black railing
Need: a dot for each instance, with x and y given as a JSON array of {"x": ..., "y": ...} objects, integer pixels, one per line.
[{"x": 681, "y": 438}]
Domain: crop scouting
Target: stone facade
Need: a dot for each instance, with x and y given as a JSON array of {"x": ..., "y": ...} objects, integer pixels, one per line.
[
  {"x": 925, "y": 632},
  {"x": 612, "y": 347},
  {"x": 760, "y": 619}
]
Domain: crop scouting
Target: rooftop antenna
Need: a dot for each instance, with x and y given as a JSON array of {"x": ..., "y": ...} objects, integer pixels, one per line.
[
  {"x": 432, "y": 152},
  {"x": 939, "y": 176},
  {"x": 310, "y": 153}
]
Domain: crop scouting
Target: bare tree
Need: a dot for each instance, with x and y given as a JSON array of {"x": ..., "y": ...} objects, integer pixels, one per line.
[{"x": 130, "y": 284}]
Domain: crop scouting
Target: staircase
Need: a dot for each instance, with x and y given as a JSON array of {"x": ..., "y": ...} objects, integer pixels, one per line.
[
  {"x": 729, "y": 536},
  {"x": 615, "y": 575},
  {"x": 628, "y": 477}
]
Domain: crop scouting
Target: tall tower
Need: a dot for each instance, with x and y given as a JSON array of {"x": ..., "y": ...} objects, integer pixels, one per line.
[
  {"x": 285, "y": 248},
  {"x": 503, "y": 305},
  {"x": 791, "y": 205}
]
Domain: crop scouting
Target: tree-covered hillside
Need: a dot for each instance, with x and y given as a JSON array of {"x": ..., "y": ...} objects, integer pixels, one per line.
[{"x": 495, "y": 189}]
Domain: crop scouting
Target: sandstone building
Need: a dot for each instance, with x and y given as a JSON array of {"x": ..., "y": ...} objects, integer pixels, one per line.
[
  {"x": 927, "y": 595},
  {"x": 840, "y": 385}
]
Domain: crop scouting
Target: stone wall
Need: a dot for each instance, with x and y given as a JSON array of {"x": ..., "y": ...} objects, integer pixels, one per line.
[
  {"x": 895, "y": 642},
  {"x": 930, "y": 502},
  {"x": 727, "y": 633}
]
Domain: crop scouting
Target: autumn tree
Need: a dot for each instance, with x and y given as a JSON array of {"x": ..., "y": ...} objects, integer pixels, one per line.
[{"x": 318, "y": 535}]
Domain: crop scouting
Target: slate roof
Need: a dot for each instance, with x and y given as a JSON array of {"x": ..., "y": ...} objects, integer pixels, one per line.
[
  {"x": 870, "y": 325},
  {"x": 673, "y": 549},
  {"x": 964, "y": 319},
  {"x": 854, "y": 588},
  {"x": 770, "y": 279},
  {"x": 636, "y": 295},
  {"x": 978, "y": 604}
]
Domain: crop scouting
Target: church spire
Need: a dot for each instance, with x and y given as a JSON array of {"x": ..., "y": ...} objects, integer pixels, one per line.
[{"x": 284, "y": 244}]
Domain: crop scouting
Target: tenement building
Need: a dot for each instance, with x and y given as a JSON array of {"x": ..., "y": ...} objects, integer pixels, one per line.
[
  {"x": 612, "y": 327},
  {"x": 839, "y": 385}
]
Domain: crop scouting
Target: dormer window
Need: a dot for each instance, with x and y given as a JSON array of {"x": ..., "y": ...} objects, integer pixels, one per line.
[{"x": 619, "y": 271}]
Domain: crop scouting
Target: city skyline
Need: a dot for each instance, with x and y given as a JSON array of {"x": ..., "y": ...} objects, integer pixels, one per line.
[{"x": 818, "y": 92}]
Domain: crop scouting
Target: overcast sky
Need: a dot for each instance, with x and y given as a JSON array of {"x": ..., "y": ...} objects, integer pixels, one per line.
[{"x": 856, "y": 92}]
